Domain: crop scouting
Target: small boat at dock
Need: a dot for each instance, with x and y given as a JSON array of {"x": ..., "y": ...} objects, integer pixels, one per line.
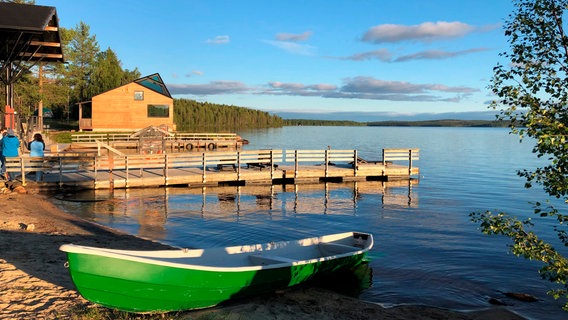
[{"x": 185, "y": 279}]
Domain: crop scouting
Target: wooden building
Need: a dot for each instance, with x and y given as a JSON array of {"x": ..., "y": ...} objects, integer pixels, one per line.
[{"x": 143, "y": 102}]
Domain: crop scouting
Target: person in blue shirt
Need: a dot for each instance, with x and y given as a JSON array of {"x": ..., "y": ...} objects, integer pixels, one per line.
[
  {"x": 37, "y": 148},
  {"x": 10, "y": 147}
]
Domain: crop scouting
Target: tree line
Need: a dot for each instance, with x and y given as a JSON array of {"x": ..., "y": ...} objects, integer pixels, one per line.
[
  {"x": 425, "y": 123},
  {"x": 194, "y": 116}
]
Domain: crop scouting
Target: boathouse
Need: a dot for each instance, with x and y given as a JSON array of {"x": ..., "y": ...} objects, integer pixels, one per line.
[{"x": 143, "y": 102}]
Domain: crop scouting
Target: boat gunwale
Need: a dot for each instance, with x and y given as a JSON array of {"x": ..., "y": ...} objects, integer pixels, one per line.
[{"x": 152, "y": 259}]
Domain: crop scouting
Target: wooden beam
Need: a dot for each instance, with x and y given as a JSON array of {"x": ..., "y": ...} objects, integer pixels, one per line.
[
  {"x": 41, "y": 55},
  {"x": 45, "y": 44},
  {"x": 51, "y": 28}
]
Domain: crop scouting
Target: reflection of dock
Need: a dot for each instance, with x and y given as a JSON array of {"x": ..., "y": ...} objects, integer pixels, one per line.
[
  {"x": 268, "y": 167},
  {"x": 150, "y": 208},
  {"x": 305, "y": 198}
]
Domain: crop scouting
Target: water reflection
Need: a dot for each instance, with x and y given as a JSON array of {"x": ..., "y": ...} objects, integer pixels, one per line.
[
  {"x": 351, "y": 282},
  {"x": 154, "y": 211}
]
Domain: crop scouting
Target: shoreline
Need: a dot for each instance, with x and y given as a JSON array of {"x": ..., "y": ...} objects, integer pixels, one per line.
[{"x": 35, "y": 284}]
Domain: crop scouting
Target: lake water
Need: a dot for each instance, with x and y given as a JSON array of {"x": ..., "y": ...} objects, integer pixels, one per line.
[{"x": 427, "y": 251}]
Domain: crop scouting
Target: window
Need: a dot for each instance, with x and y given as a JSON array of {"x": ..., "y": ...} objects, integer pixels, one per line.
[
  {"x": 158, "y": 111},
  {"x": 138, "y": 95}
]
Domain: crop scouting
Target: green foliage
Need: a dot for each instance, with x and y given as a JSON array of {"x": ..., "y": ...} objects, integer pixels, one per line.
[
  {"x": 80, "y": 56},
  {"x": 107, "y": 73},
  {"x": 194, "y": 116},
  {"x": 532, "y": 92},
  {"x": 62, "y": 137}
]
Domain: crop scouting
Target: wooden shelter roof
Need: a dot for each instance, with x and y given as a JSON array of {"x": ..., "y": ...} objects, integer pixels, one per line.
[{"x": 28, "y": 33}]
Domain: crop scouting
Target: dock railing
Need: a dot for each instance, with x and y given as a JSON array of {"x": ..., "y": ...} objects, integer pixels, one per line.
[
  {"x": 125, "y": 137},
  {"x": 90, "y": 166},
  {"x": 327, "y": 158},
  {"x": 409, "y": 155}
]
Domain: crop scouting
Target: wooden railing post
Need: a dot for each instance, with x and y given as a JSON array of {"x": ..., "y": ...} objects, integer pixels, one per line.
[
  {"x": 409, "y": 162},
  {"x": 355, "y": 164},
  {"x": 204, "y": 178},
  {"x": 95, "y": 170},
  {"x": 23, "y": 170},
  {"x": 271, "y": 164},
  {"x": 296, "y": 160},
  {"x": 60, "y": 172},
  {"x": 238, "y": 166},
  {"x": 126, "y": 169},
  {"x": 166, "y": 171},
  {"x": 110, "y": 168},
  {"x": 326, "y": 159}
]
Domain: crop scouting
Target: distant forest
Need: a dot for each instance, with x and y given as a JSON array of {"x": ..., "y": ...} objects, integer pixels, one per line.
[
  {"x": 305, "y": 122},
  {"x": 195, "y": 116},
  {"x": 426, "y": 123}
]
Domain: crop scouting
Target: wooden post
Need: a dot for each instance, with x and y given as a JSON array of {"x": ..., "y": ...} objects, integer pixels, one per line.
[
  {"x": 238, "y": 166},
  {"x": 384, "y": 160},
  {"x": 204, "y": 179},
  {"x": 95, "y": 172},
  {"x": 23, "y": 169},
  {"x": 126, "y": 168},
  {"x": 355, "y": 164},
  {"x": 296, "y": 160},
  {"x": 166, "y": 171},
  {"x": 110, "y": 168},
  {"x": 409, "y": 162},
  {"x": 60, "y": 172},
  {"x": 271, "y": 164},
  {"x": 326, "y": 159}
]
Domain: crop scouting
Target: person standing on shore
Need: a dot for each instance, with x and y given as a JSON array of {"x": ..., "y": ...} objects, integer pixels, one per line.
[
  {"x": 37, "y": 148},
  {"x": 10, "y": 147}
]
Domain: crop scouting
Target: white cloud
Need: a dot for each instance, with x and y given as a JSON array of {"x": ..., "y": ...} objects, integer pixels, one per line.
[
  {"x": 380, "y": 54},
  {"x": 293, "y": 37},
  {"x": 194, "y": 73},
  {"x": 360, "y": 87},
  {"x": 425, "y": 32},
  {"x": 292, "y": 47},
  {"x": 385, "y": 55},
  {"x": 219, "y": 40},
  {"x": 214, "y": 87}
]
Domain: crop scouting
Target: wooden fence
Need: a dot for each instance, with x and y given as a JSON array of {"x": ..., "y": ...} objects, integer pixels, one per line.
[
  {"x": 125, "y": 137},
  {"x": 235, "y": 163}
]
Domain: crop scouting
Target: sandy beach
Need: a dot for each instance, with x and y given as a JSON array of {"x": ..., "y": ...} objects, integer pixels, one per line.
[{"x": 34, "y": 283}]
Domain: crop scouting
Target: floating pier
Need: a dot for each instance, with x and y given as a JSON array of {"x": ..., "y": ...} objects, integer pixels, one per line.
[{"x": 197, "y": 169}]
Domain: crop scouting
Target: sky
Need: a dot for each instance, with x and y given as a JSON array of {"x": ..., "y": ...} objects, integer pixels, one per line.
[{"x": 393, "y": 57}]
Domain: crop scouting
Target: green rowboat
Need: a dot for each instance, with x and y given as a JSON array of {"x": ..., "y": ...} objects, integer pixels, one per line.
[{"x": 174, "y": 280}]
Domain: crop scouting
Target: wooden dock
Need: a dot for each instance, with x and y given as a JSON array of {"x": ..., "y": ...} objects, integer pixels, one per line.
[
  {"x": 174, "y": 142},
  {"x": 196, "y": 169}
]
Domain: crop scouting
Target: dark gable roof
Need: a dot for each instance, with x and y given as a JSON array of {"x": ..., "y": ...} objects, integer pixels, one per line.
[
  {"x": 155, "y": 83},
  {"x": 29, "y": 33}
]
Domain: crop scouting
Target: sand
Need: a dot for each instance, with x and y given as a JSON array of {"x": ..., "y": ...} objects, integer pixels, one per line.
[{"x": 34, "y": 283}]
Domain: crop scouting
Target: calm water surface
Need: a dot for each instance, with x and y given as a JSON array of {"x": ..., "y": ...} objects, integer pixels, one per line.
[{"x": 427, "y": 250}]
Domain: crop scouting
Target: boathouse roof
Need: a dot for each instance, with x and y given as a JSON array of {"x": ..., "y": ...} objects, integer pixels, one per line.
[{"x": 155, "y": 83}]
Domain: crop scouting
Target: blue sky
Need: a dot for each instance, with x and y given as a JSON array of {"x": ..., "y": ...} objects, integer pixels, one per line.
[{"x": 402, "y": 57}]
